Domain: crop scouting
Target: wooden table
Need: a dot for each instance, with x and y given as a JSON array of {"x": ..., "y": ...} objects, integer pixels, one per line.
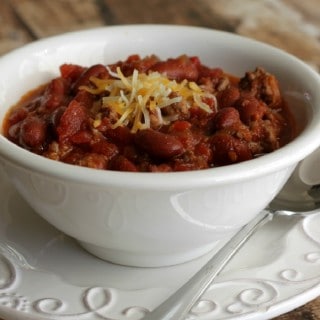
[{"x": 292, "y": 25}]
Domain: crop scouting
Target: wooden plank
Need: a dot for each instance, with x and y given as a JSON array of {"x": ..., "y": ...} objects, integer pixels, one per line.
[
  {"x": 57, "y": 16},
  {"x": 275, "y": 22},
  {"x": 12, "y": 32},
  {"x": 309, "y": 10},
  {"x": 182, "y": 12}
]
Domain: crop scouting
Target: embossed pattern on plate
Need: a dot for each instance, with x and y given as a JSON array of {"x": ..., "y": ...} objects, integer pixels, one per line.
[{"x": 46, "y": 275}]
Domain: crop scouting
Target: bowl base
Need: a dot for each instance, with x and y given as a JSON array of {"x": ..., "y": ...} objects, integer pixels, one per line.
[{"x": 134, "y": 259}]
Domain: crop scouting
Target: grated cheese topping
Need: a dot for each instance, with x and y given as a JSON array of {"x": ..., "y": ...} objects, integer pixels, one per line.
[{"x": 138, "y": 98}]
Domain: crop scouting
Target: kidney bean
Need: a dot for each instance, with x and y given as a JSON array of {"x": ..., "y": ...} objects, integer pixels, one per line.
[
  {"x": 97, "y": 70},
  {"x": 135, "y": 62},
  {"x": 251, "y": 109},
  {"x": 227, "y": 149},
  {"x": 228, "y": 97},
  {"x": 187, "y": 137},
  {"x": 33, "y": 132},
  {"x": 85, "y": 98},
  {"x": 121, "y": 163},
  {"x": 178, "y": 69},
  {"x": 71, "y": 71},
  {"x": 180, "y": 125},
  {"x": 82, "y": 137},
  {"x": 106, "y": 148},
  {"x": 120, "y": 135},
  {"x": 17, "y": 115},
  {"x": 71, "y": 120},
  {"x": 225, "y": 118},
  {"x": 210, "y": 73},
  {"x": 55, "y": 94},
  {"x": 158, "y": 144}
]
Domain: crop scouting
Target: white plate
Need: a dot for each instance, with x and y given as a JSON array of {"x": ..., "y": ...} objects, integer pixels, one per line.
[{"x": 46, "y": 275}]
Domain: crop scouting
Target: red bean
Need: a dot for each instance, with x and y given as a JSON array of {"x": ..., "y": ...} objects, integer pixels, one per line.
[
  {"x": 106, "y": 148},
  {"x": 135, "y": 62},
  {"x": 228, "y": 97},
  {"x": 251, "y": 109},
  {"x": 82, "y": 137},
  {"x": 227, "y": 149},
  {"x": 33, "y": 132},
  {"x": 180, "y": 125},
  {"x": 54, "y": 95},
  {"x": 120, "y": 135},
  {"x": 178, "y": 69},
  {"x": 17, "y": 115},
  {"x": 71, "y": 121},
  {"x": 97, "y": 70},
  {"x": 225, "y": 118},
  {"x": 121, "y": 163},
  {"x": 210, "y": 73},
  {"x": 85, "y": 98},
  {"x": 158, "y": 144},
  {"x": 71, "y": 71}
]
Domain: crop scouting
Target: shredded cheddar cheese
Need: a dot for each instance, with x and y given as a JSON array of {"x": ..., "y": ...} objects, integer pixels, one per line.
[{"x": 139, "y": 97}]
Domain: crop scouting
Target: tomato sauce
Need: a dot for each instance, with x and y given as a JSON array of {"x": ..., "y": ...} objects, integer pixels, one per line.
[{"x": 152, "y": 115}]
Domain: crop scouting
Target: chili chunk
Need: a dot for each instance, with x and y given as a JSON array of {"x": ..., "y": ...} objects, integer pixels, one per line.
[{"x": 152, "y": 115}]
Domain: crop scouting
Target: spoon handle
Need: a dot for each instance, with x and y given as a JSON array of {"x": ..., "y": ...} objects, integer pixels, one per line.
[{"x": 179, "y": 304}]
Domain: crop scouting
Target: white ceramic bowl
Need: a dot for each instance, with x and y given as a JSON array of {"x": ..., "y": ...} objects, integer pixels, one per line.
[{"x": 154, "y": 219}]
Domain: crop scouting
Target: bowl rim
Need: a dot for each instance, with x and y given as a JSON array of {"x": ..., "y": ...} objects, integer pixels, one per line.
[{"x": 284, "y": 157}]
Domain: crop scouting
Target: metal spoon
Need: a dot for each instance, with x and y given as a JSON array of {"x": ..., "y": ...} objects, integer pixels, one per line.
[{"x": 179, "y": 304}]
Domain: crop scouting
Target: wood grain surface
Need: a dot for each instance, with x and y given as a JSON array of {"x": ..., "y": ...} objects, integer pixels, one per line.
[{"x": 293, "y": 25}]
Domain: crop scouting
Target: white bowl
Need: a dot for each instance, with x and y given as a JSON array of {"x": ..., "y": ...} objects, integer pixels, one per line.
[{"x": 155, "y": 219}]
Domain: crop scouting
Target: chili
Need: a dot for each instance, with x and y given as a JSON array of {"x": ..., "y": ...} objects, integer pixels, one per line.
[{"x": 148, "y": 114}]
